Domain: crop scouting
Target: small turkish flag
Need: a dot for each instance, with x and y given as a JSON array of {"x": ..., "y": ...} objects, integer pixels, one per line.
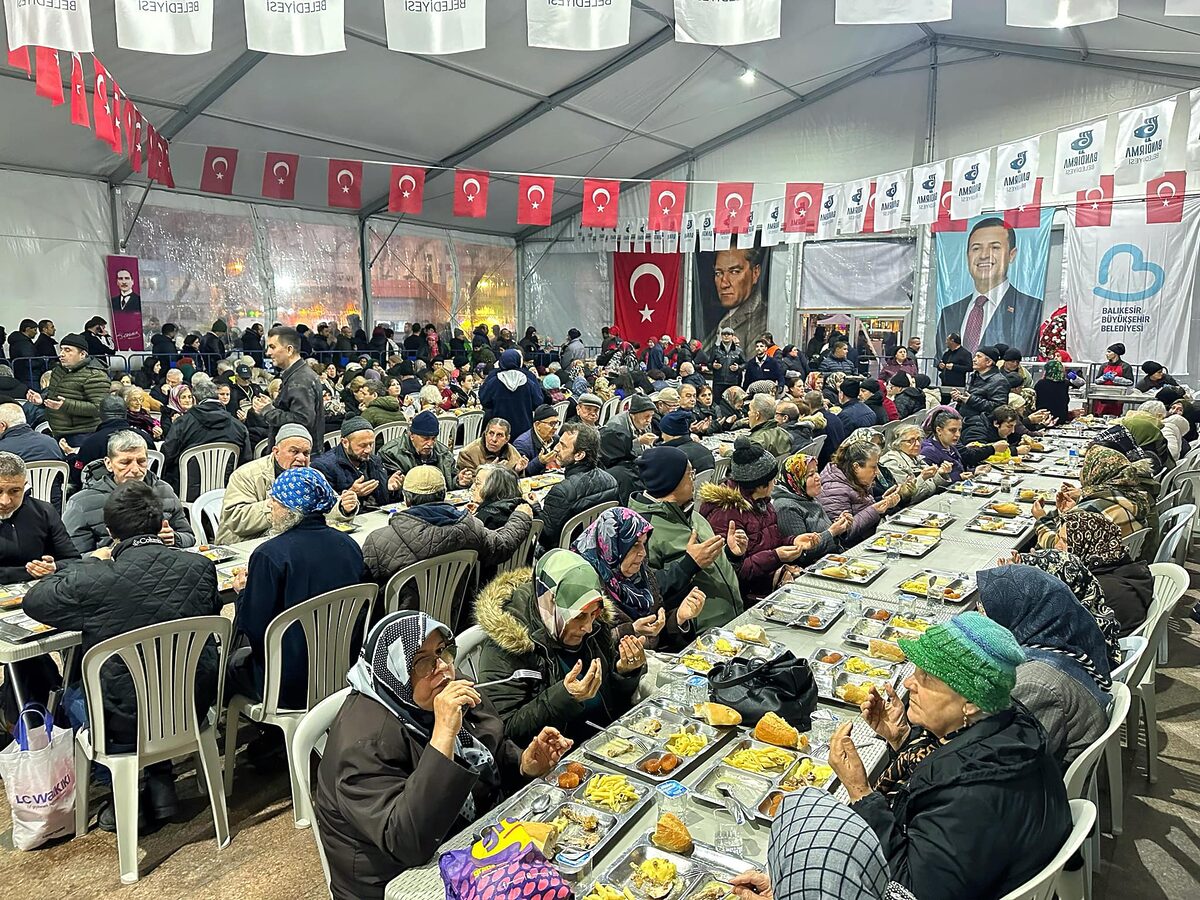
[
  {"x": 1027, "y": 216},
  {"x": 115, "y": 107},
  {"x": 600, "y": 200},
  {"x": 470, "y": 193},
  {"x": 667, "y": 200},
  {"x": 19, "y": 59},
  {"x": 79, "y": 110},
  {"x": 344, "y": 187},
  {"x": 535, "y": 196},
  {"x": 1164, "y": 199},
  {"x": 101, "y": 111},
  {"x": 869, "y": 214},
  {"x": 944, "y": 222},
  {"x": 220, "y": 164},
  {"x": 159, "y": 163},
  {"x": 133, "y": 129},
  {"x": 407, "y": 192},
  {"x": 733, "y": 206},
  {"x": 802, "y": 202},
  {"x": 49, "y": 78},
  {"x": 279, "y": 176},
  {"x": 1093, "y": 207}
]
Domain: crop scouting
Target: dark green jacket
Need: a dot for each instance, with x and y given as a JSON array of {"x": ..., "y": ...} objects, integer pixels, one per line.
[
  {"x": 400, "y": 456},
  {"x": 81, "y": 389},
  {"x": 383, "y": 411}
]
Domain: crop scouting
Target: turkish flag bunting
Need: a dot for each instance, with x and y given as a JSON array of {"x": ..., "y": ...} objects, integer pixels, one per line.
[
  {"x": 646, "y": 294},
  {"x": 344, "y": 188},
  {"x": 733, "y": 206},
  {"x": 535, "y": 196},
  {"x": 667, "y": 200},
  {"x": 79, "y": 110},
  {"x": 944, "y": 222},
  {"x": 279, "y": 176},
  {"x": 19, "y": 59},
  {"x": 1164, "y": 199},
  {"x": 869, "y": 215},
  {"x": 159, "y": 163},
  {"x": 118, "y": 100},
  {"x": 600, "y": 201},
  {"x": 1093, "y": 207},
  {"x": 470, "y": 193},
  {"x": 134, "y": 136},
  {"x": 49, "y": 78},
  {"x": 801, "y": 206},
  {"x": 101, "y": 111},
  {"x": 220, "y": 164},
  {"x": 407, "y": 192},
  {"x": 1027, "y": 216}
]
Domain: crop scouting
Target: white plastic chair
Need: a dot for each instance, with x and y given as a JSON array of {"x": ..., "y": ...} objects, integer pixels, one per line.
[
  {"x": 309, "y": 737},
  {"x": 1054, "y": 878},
  {"x": 815, "y": 447},
  {"x": 214, "y": 461},
  {"x": 162, "y": 661},
  {"x": 1168, "y": 521},
  {"x": 1168, "y": 501},
  {"x": 439, "y": 584},
  {"x": 523, "y": 555},
  {"x": 624, "y": 403},
  {"x": 328, "y": 622},
  {"x": 205, "y": 515},
  {"x": 561, "y": 408},
  {"x": 472, "y": 425},
  {"x": 447, "y": 429},
  {"x": 608, "y": 410},
  {"x": 42, "y": 476},
  {"x": 720, "y": 470},
  {"x": 468, "y": 645},
  {"x": 1135, "y": 651},
  {"x": 331, "y": 439},
  {"x": 701, "y": 479},
  {"x": 1135, "y": 542},
  {"x": 261, "y": 448},
  {"x": 1171, "y": 542},
  {"x": 577, "y": 523},
  {"x": 385, "y": 434},
  {"x": 156, "y": 461}
]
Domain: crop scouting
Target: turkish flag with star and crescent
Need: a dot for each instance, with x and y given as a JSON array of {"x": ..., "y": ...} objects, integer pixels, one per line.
[
  {"x": 646, "y": 294},
  {"x": 944, "y": 221},
  {"x": 220, "y": 163},
  {"x": 344, "y": 186},
  {"x": 535, "y": 195},
  {"x": 600, "y": 199},
  {"x": 279, "y": 176},
  {"x": 49, "y": 78},
  {"x": 101, "y": 111},
  {"x": 802, "y": 201},
  {"x": 407, "y": 191},
  {"x": 667, "y": 199},
  {"x": 1093, "y": 207},
  {"x": 470, "y": 193},
  {"x": 79, "y": 110},
  {"x": 733, "y": 206},
  {"x": 1029, "y": 216},
  {"x": 1164, "y": 199}
]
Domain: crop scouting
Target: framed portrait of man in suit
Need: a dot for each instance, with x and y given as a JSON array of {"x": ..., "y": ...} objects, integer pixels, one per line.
[
  {"x": 991, "y": 282},
  {"x": 125, "y": 302}
]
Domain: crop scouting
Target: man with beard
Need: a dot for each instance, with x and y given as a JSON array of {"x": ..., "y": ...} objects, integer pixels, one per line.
[
  {"x": 355, "y": 466},
  {"x": 994, "y": 312},
  {"x": 736, "y": 274}
]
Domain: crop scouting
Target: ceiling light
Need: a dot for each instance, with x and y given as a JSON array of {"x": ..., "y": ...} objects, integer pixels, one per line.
[{"x": 747, "y": 76}]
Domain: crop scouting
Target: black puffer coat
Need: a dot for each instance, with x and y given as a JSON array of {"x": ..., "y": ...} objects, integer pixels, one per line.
[
  {"x": 584, "y": 486},
  {"x": 206, "y": 423},
  {"x": 84, "y": 515}
]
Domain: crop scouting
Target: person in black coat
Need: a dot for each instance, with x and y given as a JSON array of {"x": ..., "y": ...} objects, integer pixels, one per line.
[
  {"x": 33, "y": 540},
  {"x": 761, "y": 367},
  {"x": 208, "y": 422},
  {"x": 22, "y": 353},
  {"x": 1156, "y": 377},
  {"x": 354, "y": 465},
  {"x": 583, "y": 486},
  {"x": 908, "y": 398},
  {"x": 676, "y": 430},
  {"x": 301, "y": 398},
  {"x": 163, "y": 344},
  {"x": 136, "y": 582},
  {"x": 511, "y": 393},
  {"x": 46, "y": 345},
  {"x": 252, "y": 344},
  {"x": 94, "y": 446},
  {"x": 212, "y": 347},
  {"x": 955, "y": 364},
  {"x": 99, "y": 345},
  {"x": 987, "y": 387}
]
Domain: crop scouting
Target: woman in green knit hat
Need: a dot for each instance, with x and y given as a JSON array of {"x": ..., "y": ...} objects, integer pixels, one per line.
[{"x": 972, "y": 804}]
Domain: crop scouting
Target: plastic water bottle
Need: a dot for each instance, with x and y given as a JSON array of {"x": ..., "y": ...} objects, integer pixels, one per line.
[
  {"x": 854, "y": 604},
  {"x": 893, "y": 551},
  {"x": 1073, "y": 456},
  {"x": 968, "y": 487}
]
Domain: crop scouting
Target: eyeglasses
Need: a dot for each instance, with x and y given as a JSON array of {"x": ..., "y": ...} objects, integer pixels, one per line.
[
  {"x": 425, "y": 666},
  {"x": 911, "y": 440}
]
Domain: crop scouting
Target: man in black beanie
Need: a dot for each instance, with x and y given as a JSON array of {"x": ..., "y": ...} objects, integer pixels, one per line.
[
  {"x": 908, "y": 398},
  {"x": 677, "y": 432},
  {"x": 1014, "y": 373},
  {"x": 1156, "y": 377},
  {"x": 354, "y": 465},
  {"x": 855, "y": 414}
]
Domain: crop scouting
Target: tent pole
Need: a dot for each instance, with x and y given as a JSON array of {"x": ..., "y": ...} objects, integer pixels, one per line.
[
  {"x": 136, "y": 213},
  {"x": 365, "y": 264},
  {"x": 921, "y": 299},
  {"x": 688, "y": 268},
  {"x": 114, "y": 220}
]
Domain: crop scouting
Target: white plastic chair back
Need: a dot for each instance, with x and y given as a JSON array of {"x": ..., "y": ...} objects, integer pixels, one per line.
[
  {"x": 468, "y": 645},
  {"x": 331, "y": 439},
  {"x": 472, "y": 425},
  {"x": 261, "y": 448},
  {"x": 1079, "y": 774},
  {"x": 1135, "y": 542},
  {"x": 523, "y": 555},
  {"x": 1185, "y": 480},
  {"x": 156, "y": 461},
  {"x": 205, "y": 515},
  {"x": 577, "y": 523},
  {"x": 1168, "y": 501},
  {"x": 1169, "y": 548},
  {"x": 608, "y": 410},
  {"x": 561, "y": 408},
  {"x": 310, "y": 735},
  {"x": 42, "y": 427},
  {"x": 624, "y": 404},
  {"x": 815, "y": 447},
  {"x": 385, "y": 434},
  {"x": 720, "y": 470},
  {"x": 41, "y": 478},
  {"x": 214, "y": 462},
  {"x": 447, "y": 429},
  {"x": 701, "y": 479},
  {"x": 1134, "y": 647},
  {"x": 1053, "y": 878},
  {"x": 439, "y": 582}
]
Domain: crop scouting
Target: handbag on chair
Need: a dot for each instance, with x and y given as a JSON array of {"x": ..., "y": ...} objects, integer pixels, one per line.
[{"x": 754, "y": 687}]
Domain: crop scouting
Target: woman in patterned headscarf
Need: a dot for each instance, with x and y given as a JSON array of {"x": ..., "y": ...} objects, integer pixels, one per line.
[
  {"x": 797, "y": 510},
  {"x": 1052, "y": 392},
  {"x": 1128, "y": 583},
  {"x": 414, "y": 755}
]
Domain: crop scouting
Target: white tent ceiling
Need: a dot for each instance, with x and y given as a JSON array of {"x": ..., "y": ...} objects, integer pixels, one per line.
[{"x": 628, "y": 112}]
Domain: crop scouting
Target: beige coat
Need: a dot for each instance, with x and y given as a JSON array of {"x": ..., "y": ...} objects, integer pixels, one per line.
[
  {"x": 246, "y": 511},
  {"x": 474, "y": 455}
]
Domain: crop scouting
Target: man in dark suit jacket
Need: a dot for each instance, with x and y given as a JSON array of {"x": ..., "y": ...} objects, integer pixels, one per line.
[
  {"x": 1010, "y": 317},
  {"x": 126, "y": 300}
]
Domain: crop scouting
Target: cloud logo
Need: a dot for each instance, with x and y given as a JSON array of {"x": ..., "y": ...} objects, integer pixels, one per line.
[
  {"x": 1138, "y": 265},
  {"x": 1148, "y": 129},
  {"x": 972, "y": 173},
  {"x": 1018, "y": 162},
  {"x": 1083, "y": 141},
  {"x": 929, "y": 183}
]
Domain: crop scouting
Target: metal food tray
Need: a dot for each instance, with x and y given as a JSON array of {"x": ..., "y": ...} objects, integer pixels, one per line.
[
  {"x": 862, "y": 632},
  {"x": 693, "y": 870},
  {"x": 741, "y": 649},
  {"x": 593, "y": 747},
  {"x": 1008, "y": 527},
  {"x": 1043, "y": 495},
  {"x": 690, "y": 666},
  {"x": 836, "y": 559},
  {"x": 921, "y": 518},
  {"x": 987, "y": 510},
  {"x": 755, "y": 786},
  {"x": 794, "y": 610},
  {"x": 915, "y": 545},
  {"x": 827, "y": 675},
  {"x": 977, "y": 490},
  {"x": 1071, "y": 472},
  {"x": 968, "y": 586},
  {"x": 217, "y": 553},
  {"x": 672, "y": 722}
]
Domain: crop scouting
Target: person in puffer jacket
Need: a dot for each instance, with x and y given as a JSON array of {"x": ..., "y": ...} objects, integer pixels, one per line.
[
  {"x": 846, "y": 487},
  {"x": 584, "y": 484},
  {"x": 207, "y": 422},
  {"x": 797, "y": 509},
  {"x": 745, "y": 500},
  {"x": 138, "y": 581},
  {"x": 511, "y": 393}
]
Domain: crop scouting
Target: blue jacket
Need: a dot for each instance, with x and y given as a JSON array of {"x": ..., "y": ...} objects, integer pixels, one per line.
[
  {"x": 655, "y": 358},
  {"x": 857, "y": 414},
  {"x": 511, "y": 394},
  {"x": 299, "y": 564},
  {"x": 835, "y": 433},
  {"x": 340, "y": 472},
  {"x": 30, "y": 445},
  {"x": 529, "y": 445},
  {"x": 770, "y": 369}
]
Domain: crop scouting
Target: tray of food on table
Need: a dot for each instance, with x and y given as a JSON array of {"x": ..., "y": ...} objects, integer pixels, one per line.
[
  {"x": 996, "y": 524},
  {"x": 906, "y": 543},
  {"x": 847, "y": 569},
  {"x": 216, "y": 553},
  {"x": 955, "y": 586},
  {"x": 1005, "y": 509},
  {"x": 13, "y": 595},
  {"x": 746, "y": 642},
  {"x": 976, "y": 489},
  {"x": 665, "y": 742},
  {"x": 1032, "y": 495},
  {"x": 798, "y": 609},
  {"x": 1071, "y": 472},
  {"x": 538, "y": 482},
  {"x": 844, "y": 677},
  {"x": 759, "y": 775},
  {"x": 878, "y": 639},
  {"x": 922, "y": 518},
  {"x": 667, "y": 865}
]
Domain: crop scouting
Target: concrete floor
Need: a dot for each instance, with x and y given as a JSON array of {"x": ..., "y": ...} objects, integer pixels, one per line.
[{"x": 1157, "y": 857}]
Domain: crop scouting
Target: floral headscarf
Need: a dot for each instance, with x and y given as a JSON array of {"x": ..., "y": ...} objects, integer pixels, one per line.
[
  {"x": 1054, "y": 370},
  {"x": 604, "y": 544},
  {"x": 1071, "y": 571},
  {"x": 173, "y": 396},
  {"x": 1105, "y": 471},
  {"x": 1095, "y": 539},
  {"x": 795, "y": 471},
  {"x": 815, "y": 381}
]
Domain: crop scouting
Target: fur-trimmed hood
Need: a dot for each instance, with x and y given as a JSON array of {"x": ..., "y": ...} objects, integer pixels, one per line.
[
  {"x": 505, "y": 610},
  {"x": 724, "y": 496}
]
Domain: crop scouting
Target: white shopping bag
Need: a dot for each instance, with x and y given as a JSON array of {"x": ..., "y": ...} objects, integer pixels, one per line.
[{"x": 38, "y": 769}]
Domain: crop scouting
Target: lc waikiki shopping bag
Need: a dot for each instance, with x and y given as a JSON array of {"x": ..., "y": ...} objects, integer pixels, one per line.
[
  {"x": 39, "y": 777},
  {"x": 507, "y": 863}
]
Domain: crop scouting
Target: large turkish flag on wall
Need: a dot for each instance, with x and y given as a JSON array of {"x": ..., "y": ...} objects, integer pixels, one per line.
[{"x": 646, "y": 294}]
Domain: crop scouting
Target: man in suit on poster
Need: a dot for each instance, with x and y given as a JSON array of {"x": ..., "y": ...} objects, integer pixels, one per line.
[
  {"x": 126, "y": 300},
  {"x": 995, "y": 312}
]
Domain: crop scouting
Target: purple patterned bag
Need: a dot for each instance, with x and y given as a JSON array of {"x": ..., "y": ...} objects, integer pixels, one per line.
[{"x": 506, "y": 864}]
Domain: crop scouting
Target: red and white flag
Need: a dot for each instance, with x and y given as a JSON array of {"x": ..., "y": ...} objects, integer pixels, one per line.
[
  {"x": 869, "y": 213},
  {"x": 220, "y": 164},
  {"x": 344, "y": 183},
  {"x": 279, "y": 176},
  {"x": 79, "y": 110},
  {"x": 802, "y": 201},
  {"x": 944, "y": 221},
  {"x": 296, "y": 29},
  {"x": 600, "y": 202},
  {"x": 101, "y": 111},
  {"x": 49, "y": 77},
  {"x": 733, "y": 206},
  {"x": 116, "y": 108},
  {"x": 535, "y": 197},
  {"x": 159, "y": 163},
  {"x": 61, "y": 24},
  {"x": 435, "y": 28},
  {"x": 1030, "y": 215},
  {"x": 1093, "y": 207},
  {"x": 667, "y": 200},
  {"x": 176, "y": 28},
  {"x": 406, "y": 194},
  {"x": 470, "y": 193},
  {"x": 19, "y": 59},
  {"x": 726, "y": 23},
  {"x": 134, "y": 135},
  {"x": 1164, "y": 199},
  {"x": 646, "y": 294}
]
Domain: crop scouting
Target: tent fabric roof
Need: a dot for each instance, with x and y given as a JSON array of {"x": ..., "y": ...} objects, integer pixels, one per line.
[{"x": 618, "y": 113}]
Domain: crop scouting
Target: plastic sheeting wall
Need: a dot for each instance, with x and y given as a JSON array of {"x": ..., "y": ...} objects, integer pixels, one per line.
[{"x": 54, "y": 235}]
